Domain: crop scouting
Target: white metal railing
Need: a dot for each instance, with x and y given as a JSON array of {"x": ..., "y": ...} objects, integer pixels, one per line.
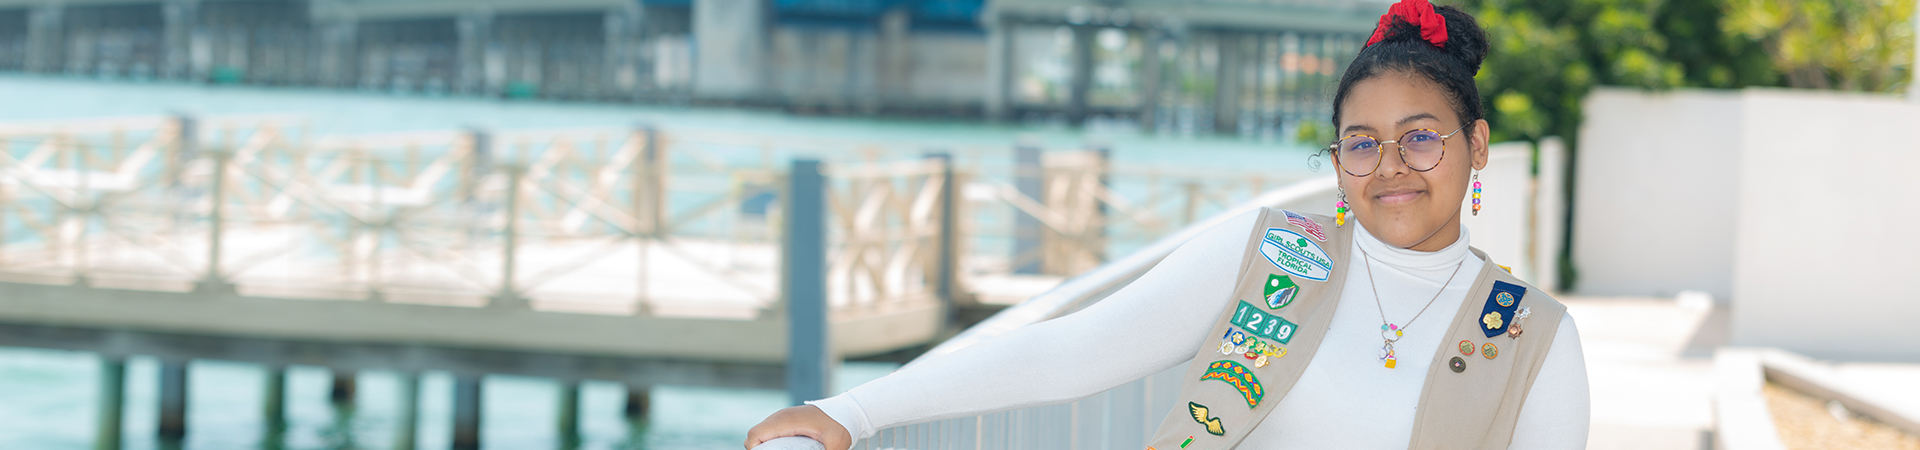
[{"x": 1120, "y": 417}]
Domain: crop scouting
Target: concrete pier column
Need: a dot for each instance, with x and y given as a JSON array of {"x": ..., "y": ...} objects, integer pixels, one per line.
[
  {"x": 569, "y": 415},
  {"x": 179, "y": 18},
  {"x": 475, "y": 29},
  {"x": 1080, "y": 80},
  {"x": 730, "y": 39},
  {"x": 639, "y": 400},
  {"x": 623, "y": 48},
  {"x": 407, "y": 412},
  {"x": 273, "y": 405},
  {"x": 343, "y": 387},
  {"x": 113, "y": 401},
  {"x": 339, "y": 54},
  {"x": 466, "y": 411},
  {"x": 1150, "y": 79},
  {"x": 999, "y": 69},
  {"x": 46, "y": 38},
  {"x": 1226, "y": 102},
  {"x": 173, "y": 400},
  {"x": 1027, "y": 174},
  {"x": 809, "y": 359}
]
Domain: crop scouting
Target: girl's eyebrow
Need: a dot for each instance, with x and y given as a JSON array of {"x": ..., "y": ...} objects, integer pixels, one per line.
[
  {"x": 1402, "y": 122},
  {"x": 1412, "y": 118}
]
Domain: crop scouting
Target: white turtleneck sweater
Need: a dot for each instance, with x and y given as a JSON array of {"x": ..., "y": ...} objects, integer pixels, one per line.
[{"x": 1344, "y": 399}]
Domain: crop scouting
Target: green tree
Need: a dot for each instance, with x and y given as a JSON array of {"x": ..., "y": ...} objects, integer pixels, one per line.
[{"x": 1854, "y": 45}]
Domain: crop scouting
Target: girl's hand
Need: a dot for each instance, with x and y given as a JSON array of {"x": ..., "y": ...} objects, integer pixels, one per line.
[{"x": 803, "y": 420}]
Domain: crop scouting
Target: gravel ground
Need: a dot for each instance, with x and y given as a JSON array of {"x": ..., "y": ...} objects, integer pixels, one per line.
[{"x": 1807, "y": 423}]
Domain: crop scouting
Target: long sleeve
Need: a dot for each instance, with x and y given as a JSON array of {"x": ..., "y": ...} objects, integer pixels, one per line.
[
  {"x": 1156, "y": 322},
  {"x": 1557, "y": 411}
]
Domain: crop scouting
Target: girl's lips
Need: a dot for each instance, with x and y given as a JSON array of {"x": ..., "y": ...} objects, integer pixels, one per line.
[{"x": 1397, "y": 196}]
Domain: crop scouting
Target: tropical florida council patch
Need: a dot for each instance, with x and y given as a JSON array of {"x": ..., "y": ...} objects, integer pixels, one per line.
[{"x": 1294, "y": 253}]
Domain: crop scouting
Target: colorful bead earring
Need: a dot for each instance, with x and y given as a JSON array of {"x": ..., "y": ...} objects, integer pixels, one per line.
[
  {"x": 1476, "y": 193},
  {"x": 1340, "y": 209}
]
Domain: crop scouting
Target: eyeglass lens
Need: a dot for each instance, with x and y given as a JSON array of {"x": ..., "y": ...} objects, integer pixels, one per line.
[{"x": 1420, "y": 149}]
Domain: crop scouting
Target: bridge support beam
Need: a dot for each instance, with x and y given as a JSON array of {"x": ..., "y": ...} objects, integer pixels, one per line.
[
  {"x": 569, "y": 415},
  {"x": 407, "y": 414},
  {"x": 173, "y": 400},
  {"x": 466, "y": 411},
  {"x": 808, "y": 354},
  {"x": 113, "y": 401}
]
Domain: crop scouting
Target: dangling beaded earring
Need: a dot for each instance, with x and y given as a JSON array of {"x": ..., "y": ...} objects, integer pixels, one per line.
[
  {"x": 1476, "y": 192},
  {"x": 1340, "y": 208}
]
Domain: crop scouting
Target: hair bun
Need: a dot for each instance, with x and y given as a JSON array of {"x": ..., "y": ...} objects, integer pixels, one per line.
[{"x": 1465, "y": 40}]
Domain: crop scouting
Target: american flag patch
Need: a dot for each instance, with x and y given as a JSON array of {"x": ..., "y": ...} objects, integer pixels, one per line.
[{"x": 1304, "y": 223}]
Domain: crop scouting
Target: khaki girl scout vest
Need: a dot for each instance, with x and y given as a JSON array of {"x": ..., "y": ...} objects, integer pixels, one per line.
[{"x": 1289, "y": 285}]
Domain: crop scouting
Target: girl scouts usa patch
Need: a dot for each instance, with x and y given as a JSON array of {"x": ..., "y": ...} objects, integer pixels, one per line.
[{"x": 1294, "y": 253}]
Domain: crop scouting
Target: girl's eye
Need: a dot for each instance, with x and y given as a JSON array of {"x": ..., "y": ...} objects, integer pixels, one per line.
[
  {"x": 1419, "y": 137},
  {"x": 1368, "y": 145}
]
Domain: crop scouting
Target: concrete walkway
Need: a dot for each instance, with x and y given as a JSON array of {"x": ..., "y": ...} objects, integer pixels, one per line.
[{"x": 1650, "y": 368}]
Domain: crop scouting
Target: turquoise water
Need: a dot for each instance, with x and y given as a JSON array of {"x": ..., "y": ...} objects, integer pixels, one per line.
[{"x": 48, "y": 398}]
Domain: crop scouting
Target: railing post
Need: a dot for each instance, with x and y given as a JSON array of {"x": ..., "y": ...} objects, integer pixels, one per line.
[
  {"x": 1026, "y": 228},
  {"x": 508, "y": 297},
  {"x": 215, "y": 282},
  {"x": 945, "y": 266},
  {"x": 808, "y": 352},
  {"x": 649, "y": 204}
]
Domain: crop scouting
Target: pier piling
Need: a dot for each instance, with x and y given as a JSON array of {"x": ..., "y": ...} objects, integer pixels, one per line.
[
  {"x": 343, "y": 387},
  {"x": 639, "y": 400},
  {"x": 113, "y": 400},
  {"x": 407, "y": 414},
  {"x": 466, "y": 411},
  {"x": 569, "y": 423},
  {"x": 274, "y": 405},
  {"x": 173, "y": 400}
]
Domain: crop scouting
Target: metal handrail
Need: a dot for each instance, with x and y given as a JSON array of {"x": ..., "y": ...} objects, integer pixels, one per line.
[{"x": 1093, "y": 285}]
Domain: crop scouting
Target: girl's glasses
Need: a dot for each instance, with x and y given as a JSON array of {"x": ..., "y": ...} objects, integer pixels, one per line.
[{"x": 1420, "y": 149}]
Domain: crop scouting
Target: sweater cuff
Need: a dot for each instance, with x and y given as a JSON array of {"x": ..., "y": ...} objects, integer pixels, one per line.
[{"x": 845, "y": 410}]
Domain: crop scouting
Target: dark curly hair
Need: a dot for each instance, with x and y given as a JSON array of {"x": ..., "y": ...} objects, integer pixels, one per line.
[{"x": 1402, "y": 50}]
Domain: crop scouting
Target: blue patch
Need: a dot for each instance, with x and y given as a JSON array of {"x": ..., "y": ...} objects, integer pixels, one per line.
[{"x": 1498, "y": 312}]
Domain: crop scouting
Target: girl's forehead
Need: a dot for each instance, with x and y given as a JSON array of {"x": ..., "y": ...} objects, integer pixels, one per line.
[{"x": 1393, "y": 100}]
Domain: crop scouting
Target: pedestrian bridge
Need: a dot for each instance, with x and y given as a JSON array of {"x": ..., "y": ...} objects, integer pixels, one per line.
[{"x": 638, "y": 255}]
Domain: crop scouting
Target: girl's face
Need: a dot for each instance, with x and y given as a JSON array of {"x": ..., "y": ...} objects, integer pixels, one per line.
[{"x": 1401, "y": 206}]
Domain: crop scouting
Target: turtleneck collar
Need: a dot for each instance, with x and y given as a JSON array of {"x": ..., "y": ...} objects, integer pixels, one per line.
[{"x": 1428, "y": 265}]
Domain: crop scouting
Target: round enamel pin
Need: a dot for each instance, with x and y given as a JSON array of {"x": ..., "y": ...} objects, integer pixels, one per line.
[
  {"x": 1489, "y": 351},
  {"x": 1458, "y": 365},
  {"x": 1226, "y": 348},
  {"x": 1260, "y": 362},
  {"x": 1505, "y": 299},
  {"x": 1466, "y": 347}
]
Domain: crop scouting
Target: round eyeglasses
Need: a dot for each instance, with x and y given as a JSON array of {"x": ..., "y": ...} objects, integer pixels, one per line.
[{"x": 1420, "y": 149}]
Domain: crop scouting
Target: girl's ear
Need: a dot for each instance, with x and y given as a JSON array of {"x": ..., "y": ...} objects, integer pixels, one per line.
[{"x": 1477, "y": 143}]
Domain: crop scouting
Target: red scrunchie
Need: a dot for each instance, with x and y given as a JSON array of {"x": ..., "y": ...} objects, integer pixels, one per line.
[{"x": 1433, "y": 27}]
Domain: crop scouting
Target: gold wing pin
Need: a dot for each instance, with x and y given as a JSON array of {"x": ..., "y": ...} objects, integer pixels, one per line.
[{"x": 1200, "y": 415}]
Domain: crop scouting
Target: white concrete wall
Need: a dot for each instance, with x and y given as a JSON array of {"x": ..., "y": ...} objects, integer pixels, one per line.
[
  {"x": 1828, "y": 207},
  {"x": 1654, "y": 193},
  {"x": 1506, "y": 205}
]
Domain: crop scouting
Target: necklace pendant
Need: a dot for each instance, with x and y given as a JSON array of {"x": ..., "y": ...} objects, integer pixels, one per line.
[{"x": 1386, "y": 355}]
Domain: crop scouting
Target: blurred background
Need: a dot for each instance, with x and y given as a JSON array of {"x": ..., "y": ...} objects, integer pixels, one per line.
[{"x": 625, "y": 224}]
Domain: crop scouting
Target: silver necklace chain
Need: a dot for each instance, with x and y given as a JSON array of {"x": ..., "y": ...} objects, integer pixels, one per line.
[{"x": 1366, "y": 260}]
